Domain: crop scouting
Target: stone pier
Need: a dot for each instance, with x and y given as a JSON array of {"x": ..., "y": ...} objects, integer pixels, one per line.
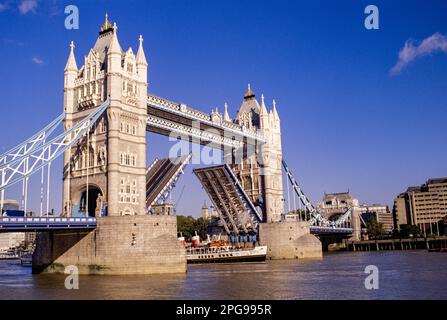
[
  {"x": 290, "y": 240},
  {"x": 119, "y": 245}
]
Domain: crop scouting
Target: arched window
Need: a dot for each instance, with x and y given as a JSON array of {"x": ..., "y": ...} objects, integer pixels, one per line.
[
  {"x": 133, "y": 160},
  {"x": 91, "y": 158}
]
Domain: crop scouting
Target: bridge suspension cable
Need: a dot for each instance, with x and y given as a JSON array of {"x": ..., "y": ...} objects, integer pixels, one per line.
[
  {"x": 316, "y": 218},
  {"x": 31, "y": 143},
  {"x": 38, "y": 152}
]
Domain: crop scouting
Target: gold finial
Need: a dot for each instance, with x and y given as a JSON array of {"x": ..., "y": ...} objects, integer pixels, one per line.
[
  {"x": 249, "y": 93},
  {"x": 107, "y": 25}
]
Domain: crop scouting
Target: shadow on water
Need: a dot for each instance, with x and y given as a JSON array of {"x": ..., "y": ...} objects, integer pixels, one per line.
[{"x": 402, "y": 275}]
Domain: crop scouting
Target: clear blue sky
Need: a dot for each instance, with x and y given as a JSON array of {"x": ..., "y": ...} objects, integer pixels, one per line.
[{"x": 346, "y": 122}]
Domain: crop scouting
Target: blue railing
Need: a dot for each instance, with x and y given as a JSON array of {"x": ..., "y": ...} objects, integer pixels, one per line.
[
  {"x": 31, "y": 224},
  {"x": 330, "y": 230}
]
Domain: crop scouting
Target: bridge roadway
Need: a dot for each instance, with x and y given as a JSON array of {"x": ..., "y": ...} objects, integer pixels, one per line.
[{"x": 52, "y": 223}]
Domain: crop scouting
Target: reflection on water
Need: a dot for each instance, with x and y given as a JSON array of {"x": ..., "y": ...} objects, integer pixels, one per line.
[{"x": 403, "y": 275}]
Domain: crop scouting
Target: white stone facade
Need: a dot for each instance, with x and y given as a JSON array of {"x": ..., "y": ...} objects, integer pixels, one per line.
[{"x": 113, "y": 158}]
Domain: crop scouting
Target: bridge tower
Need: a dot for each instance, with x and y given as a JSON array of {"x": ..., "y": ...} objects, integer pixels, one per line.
[
  {"x": 106, "y": 171},
  {"x": 261, "y": 173}
]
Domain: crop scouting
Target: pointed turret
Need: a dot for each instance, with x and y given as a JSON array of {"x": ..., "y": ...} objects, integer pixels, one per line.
[
  {"x": 114, "y": 44},
  {"x": 275, "y": 113},
  {"x": 71, "y": 62},
  {"x": 263, "y": 107},
  {"x": 141, "y": 61},
  {"x": 70, "y": 75},
  {"x": 141, "y": 57},
  {"x": 226, "y": 115},
  {"x": 114, "y": 52}
]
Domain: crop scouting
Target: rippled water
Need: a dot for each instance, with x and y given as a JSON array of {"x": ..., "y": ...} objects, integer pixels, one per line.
[{"x": 402, "y": 275}]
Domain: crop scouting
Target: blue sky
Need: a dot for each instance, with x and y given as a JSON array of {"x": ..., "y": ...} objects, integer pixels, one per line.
[{"x": 347, "y": 123}]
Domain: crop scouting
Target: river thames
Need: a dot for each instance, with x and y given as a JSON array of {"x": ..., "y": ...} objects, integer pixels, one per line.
[{"x": 402, "y": 275}]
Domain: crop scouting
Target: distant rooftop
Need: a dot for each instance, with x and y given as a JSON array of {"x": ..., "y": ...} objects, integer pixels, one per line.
[
  {"x": 414, "y": 189},
  {"x": 437, "y": 180},
  {"x": 339, "y": 195}
]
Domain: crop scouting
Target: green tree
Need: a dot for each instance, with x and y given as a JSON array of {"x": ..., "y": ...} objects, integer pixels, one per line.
[
  {"x": 188, "y": 226},
  {"x": 408, "y": 230},
  {"x": 375, "y": 229},
  {"x": 200, "y": 227}
]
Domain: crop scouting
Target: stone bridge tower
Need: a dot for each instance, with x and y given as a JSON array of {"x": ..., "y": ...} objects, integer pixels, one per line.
[
  {"x": 105, "y": 173},
  {"x": 260, "y": 172}
]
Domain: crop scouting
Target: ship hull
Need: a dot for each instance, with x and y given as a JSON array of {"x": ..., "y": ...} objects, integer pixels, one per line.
[
  {"x": 227, "y": 260},
  {"x": 255, "y": 255}
]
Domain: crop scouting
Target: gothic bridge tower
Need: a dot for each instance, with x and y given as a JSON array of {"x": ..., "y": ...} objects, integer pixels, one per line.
[
  {"x": 106, "y": 171},
  {"x": 260, "y": 173}
]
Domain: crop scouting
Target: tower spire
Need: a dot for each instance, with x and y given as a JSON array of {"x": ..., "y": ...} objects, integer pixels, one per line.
[
  {"x": 275, "y": 113},
  {"x": 249, "y": 94},
  {"x": 263, "y": 107},
  {"x": 71, "y": 62},
  {"x": 106, "y": 26},
  {"x": 141, "y": 57},
  {"x": 226, "y": 115},
  {"x": 114, "y": 43}
]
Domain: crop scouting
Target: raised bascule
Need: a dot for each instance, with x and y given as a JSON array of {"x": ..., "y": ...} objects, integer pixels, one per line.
[{"x": 110, "y": 222}]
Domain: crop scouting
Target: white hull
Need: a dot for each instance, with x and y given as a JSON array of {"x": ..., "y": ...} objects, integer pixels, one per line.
[{"x": 225, "y": 254}]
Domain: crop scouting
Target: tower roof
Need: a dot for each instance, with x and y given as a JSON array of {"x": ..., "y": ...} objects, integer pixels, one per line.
[
  {"x": 250, "y": 106},
  {"x": 104, "y": 42}
]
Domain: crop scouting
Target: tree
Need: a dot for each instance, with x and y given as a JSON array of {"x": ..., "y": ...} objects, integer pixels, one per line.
[
  {"x": 408, "y": 230},
  {"x": 375, "y": 229},
  {"x": 188, "y": 226}
]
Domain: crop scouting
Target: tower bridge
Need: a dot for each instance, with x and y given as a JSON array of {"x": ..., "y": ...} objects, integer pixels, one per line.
[{"x": 106, "y": 181}]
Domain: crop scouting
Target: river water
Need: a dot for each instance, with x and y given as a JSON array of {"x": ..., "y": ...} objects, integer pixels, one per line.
[{"x": 402, "y": 275}]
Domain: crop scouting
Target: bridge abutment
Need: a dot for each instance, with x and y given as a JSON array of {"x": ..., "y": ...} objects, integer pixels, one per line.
[
  {"x": 141, "y": 244},
  {"x": 289, "y": 240}
]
